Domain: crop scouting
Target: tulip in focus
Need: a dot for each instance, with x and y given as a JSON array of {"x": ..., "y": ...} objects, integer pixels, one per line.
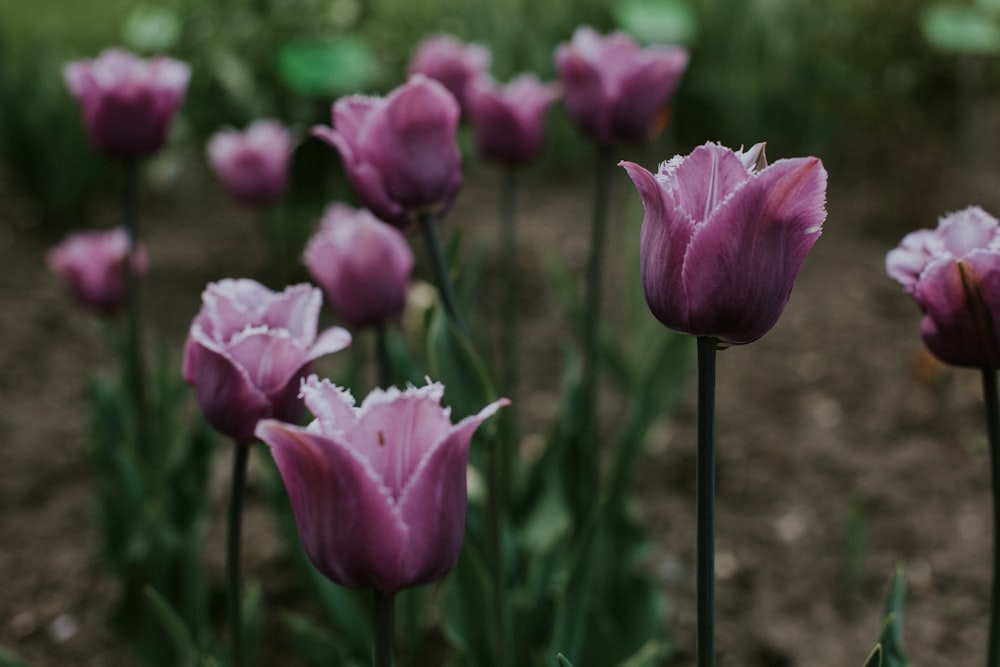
[
  {"x": 253, "y": 164},
  {"x": 724, "y": 236},
  {"x": 127, "y": 103},
  {"x": 451, "y": 62},
  {"x": 400, "y": 152},
  {"x": 249, "y": 347},
  {"x": 509, "y": 121},
  {"x": 94, "y": 266},
  {"x": 378, "y": 492},
  {"x": 614, "y": 90},
  {"x": 362, "y": 264},
  {"x": 953, "y": 273}
]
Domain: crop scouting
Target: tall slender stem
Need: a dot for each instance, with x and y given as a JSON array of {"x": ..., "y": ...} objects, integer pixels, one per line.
[
  {"x": 382, "y": 356},
  {"x": 383, "y": 629},
  {"x": 241, "y": 455},
  {"x": 509, "y": 291},
  {"x": 439, "y": 265},
  {"x": 993, "y": 433},
  {"x": 496, "y": 503},
  {"x": 705, "y": 492},
  {"x": 136, "y": 372}
]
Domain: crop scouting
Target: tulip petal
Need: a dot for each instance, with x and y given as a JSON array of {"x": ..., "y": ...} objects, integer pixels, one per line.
[
  {"x": 332, "y": 406},
  {"x": 296, "y": 310},
  {"x": 906, "y": 262},
  {"x": 966, "y": 230},
  {"x": 702, "y": 180},
  {"x": 271, "y": 358}
]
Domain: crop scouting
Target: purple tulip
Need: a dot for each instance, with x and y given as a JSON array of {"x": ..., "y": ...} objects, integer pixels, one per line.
[
  {"x": 451, "y": 62},
  {"x": 953, "y": 273},
  {"x": 615, "y": 91},
  {"x": 94, "y": 265},
  {"x": 362, "y": 264},
  {"x": 253, "y": 165},
  {"x": 249, "y": 347},
  {"x": 379, "y": 491},
  {"x": 400, "y": 152},
  {"x": 127, "y": 102},
  {"x": 508, "y": 121},
  {"x": 724, "y": 237}
]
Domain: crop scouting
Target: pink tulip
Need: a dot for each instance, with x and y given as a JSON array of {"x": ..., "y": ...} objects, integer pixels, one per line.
[
  {"x": 93, "y": 264},
  {"x": 400, "y": 152},
  {"x": 451, "y": 62},
  {"x": 953, "y": 273},
  {"x": 127, "y": 102},
  {"x": 724, "y": 237},
  {"x": 253, "y": 165},
  {"x": 249, "y": 347},
  {"x": 615, "y": 91},
  {"x": 362, "y": 264},
  {"x": 509, "y": 121},
  {"x": 379, "y": 491}
]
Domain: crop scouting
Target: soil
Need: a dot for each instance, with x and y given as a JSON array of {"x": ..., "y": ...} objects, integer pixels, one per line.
[{"x": 844, "y": 448}]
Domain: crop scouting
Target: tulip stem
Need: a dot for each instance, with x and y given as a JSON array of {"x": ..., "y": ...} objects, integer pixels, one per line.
[
  {"x": 383, "y": 629},
  {"x": 241, "y": 456},
  {"x": 993, "y": 433},
  {"x": 382, "y": 355},
  {"x": 705, "y": 500},
  {"x": 136, "y": 373},
  {"x": 440, "y": 267},
  {"x": 508, "y": 304}
]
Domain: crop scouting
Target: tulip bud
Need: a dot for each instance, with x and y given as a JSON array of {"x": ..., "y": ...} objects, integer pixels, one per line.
[
  {"x": 253, "y": 165},
  {"x": 454, "y": 64},
  {"x": 508, "y": 121},
  {"x": 94, "y": 266}
]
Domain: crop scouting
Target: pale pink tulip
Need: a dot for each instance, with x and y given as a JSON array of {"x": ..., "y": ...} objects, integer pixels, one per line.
[
  {"x": 509, "y": 121},
  {"x": 94, "y": 266},
  {"x": 253, "y": 164}
]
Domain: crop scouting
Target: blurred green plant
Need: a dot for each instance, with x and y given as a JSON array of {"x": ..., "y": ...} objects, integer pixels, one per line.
[{"x": 972, "y": 29}]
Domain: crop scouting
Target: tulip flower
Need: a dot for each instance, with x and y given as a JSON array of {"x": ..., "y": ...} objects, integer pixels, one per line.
[
  {"x": 451, "y": 62},
  {"x": 248, "y": 348},
  {"x": 508, "y": 121},
  {"x": 253, "y": 164},
  {"x": 400, "y": 152},
  {"x": 614, "y": 90},
  {"x": 94, "y": 266},
  {"x": 378, "y": 491},
  {"x": 953, "y": 273},
  {"x": 128, "y": 103},
  {"x": 724, "y": 237},
  {"x": 362, "y": 264}
]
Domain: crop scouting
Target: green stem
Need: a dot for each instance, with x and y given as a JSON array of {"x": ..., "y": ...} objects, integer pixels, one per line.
[
  {"x": 135, "y": 374},
  {"x": 705, "y": 492},
  {"x": 508, "y": 304},
  {"x": 439, "y": 265},
  {"x": 382, "y": 356},
  {"x": 495, "y": 519},
  {"x": 383, "y": 628},
  {"x": 993, "y": 433},
  {"x": 241, "y": 456}
]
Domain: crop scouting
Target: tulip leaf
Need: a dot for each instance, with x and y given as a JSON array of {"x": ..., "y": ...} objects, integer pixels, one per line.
[
  {"x": 152, "y": 29},
  {"x": 330, "y": 67},
  {"x": 960, "y": 30},
  {"x": 453, "y": 362},
  {"x": 658, "y": 21},
  {"x": 467, "y": 597},
  {"x": 562, "y": 661},
  {"x": 9, "y": 659},
  {"x": 181, "y": 643},
  {"x": 891, "y": 638},
  {"x": 875, "y": 658},
  {"x": 648, "y": 655}
]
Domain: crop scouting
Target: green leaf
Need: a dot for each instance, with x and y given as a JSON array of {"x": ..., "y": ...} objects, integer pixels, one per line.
[
  {"x": 891, "y": 638},
  {"x": 960, "y": 30},
  {"x": 658, "y": 21},
  {"x": 875, "y": 659},
  {"x": 563, "y": 662},
  {"x": 648, "y": 655},
  {"x": 182, "y": 644},
  {"x": 9, "y": 659},
  {"x": 152, "y": 29},
  {"x": 468, "y": 595},
  {"x": 330, "y": 67},
  {"x": 453, "y": 362}
]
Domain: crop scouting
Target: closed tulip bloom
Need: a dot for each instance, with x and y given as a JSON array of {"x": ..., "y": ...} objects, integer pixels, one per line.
[
  {"x": 508, "y": 121},
  {"x": 379, "y": 491},
  {"x": 362, "y": 264},
  {"x": 400, "y": 152},
  {"x": 128, "y": 103},
  {"x": 614, "y": 90},
  {"x": 248, "y": 349},
  {"x": 95, "y": 267},
  {"x": 724, "y": 236},
  {"x": 452, "y": 62},
  {"x": 253, "y": 164},
  {"x": 953, "y": 273}
]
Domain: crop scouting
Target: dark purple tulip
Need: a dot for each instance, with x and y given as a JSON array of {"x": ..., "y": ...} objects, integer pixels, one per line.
[
  {"x": 94, "y": 266},
  {"x": 953, "y": 273},
  {"x": 400, "y": 152},
  {"x": 724, "y": 237},
  {"x": 451, "y": 62},
  {"x": 378, "y": 492},
  {"x": 362, "y": 264},
  {"x": 128, "y": 103},
  {"x": 248, "y": 349},
  {"x": 253, "y": 164},
  {"x": 614, "y": 90},
  {"x": 509, "y": 121}
]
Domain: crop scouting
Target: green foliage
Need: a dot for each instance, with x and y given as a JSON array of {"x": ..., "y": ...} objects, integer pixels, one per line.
[
  {"x": 889, "y": 651},
  {"x": 9, "y": 659},
  {"x": 962, "y": 29}
]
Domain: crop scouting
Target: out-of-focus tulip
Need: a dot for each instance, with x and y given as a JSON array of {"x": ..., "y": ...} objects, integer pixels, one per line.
[
  {"x": 378, "y": 492},
  {"x": 953, "y": 273},
  {"x": 248, "y": 349},
  {"x": 508, "y": 121},
  {"x": 614, "y": 90},
  {"x": 128, "y": 103},
  {"x": 400, "y": 152},
  {"x": 362, "y": 264},
  {"x": 94, "y": 266},
  {"x": 452, "y": 62},
  {"x": 253, "y": 164},
  {"x": 724, "y": 237}
]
